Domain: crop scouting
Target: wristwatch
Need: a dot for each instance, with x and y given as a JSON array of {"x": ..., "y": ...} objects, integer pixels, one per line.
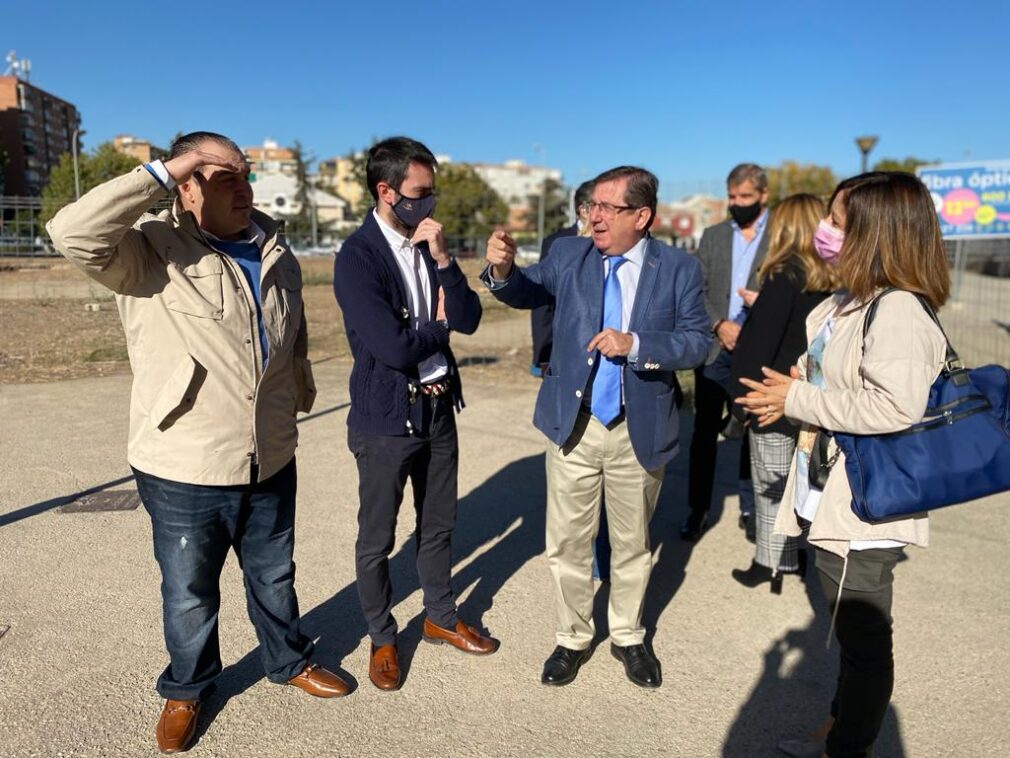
[{"x": 444, "y": 322}]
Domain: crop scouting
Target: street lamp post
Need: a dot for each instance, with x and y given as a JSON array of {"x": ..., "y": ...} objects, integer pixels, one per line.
[
  {"x": 865, "y": 145},
  {"x": 78, "y": 132}
]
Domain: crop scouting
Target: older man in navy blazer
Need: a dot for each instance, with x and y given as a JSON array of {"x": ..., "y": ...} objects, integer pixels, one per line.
[{"x": 629, "y": 312}]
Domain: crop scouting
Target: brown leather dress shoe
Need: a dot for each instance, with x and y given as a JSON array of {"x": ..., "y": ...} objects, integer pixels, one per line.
[
  {"x": 464, "y": 638},
  {"x": 177, "y": 725},
  {"x": 384, "y": 668},
  {"x": 319, "y": 682}
]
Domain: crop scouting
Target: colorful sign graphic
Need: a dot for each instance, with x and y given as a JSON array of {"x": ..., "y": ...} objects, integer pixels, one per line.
[{"x": 971, "y": 199}]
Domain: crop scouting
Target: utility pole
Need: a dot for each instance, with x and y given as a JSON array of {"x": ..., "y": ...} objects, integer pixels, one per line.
[{"x": 78, "y": 132}]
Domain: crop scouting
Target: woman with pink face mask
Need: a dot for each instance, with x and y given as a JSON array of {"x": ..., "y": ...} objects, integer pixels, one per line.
[{"x": 881, "y": 232}]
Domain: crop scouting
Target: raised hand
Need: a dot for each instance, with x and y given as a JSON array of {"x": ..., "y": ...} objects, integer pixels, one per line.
[
  {"x": 181, "y": 168},
  {"x": 430, "y": 231},
  {"x": 501, "y": 254}
]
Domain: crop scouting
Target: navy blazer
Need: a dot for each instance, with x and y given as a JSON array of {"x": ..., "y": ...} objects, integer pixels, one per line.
[
  {"x": 669, "y": 317},
  {"x": 377, "y": 319}
]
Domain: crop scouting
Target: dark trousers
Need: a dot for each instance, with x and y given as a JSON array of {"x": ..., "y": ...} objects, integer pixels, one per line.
[
  {"x": 429, "y": 458},
  {"x": 194, "y": 527},
  {"x": 710, "y": 409},
  {"x": 863, "y": 630}
]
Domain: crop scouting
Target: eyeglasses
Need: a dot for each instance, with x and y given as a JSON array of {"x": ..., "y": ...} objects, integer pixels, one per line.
[{"x": 607, "y": 210}]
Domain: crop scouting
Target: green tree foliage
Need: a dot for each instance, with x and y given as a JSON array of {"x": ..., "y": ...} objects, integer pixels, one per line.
[
  {"x": 556, "y": 202},
  {"x": 909, "y": 164},
  {"x": 790, "y": 178},
  {"x": 467, "y": 206},
  {"x": 359, "y": 161},
  {"x": 99, "y": 166},
  {"x": 299, "y": 226}
]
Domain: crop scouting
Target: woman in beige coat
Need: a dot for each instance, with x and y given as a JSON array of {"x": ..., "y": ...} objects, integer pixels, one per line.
[{"x": 882, "y": 232}]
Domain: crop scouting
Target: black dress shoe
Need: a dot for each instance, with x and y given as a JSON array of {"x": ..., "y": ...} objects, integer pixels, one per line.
[
  {"x": 693, "y": 526},
  {"x": 640, "y": 665},
  {"x": 563, "y": 665}
]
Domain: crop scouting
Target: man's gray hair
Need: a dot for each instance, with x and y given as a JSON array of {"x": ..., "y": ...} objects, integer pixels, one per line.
[
  {"x": 748, "y": 172},
  {"x": 187, "y": 143}
]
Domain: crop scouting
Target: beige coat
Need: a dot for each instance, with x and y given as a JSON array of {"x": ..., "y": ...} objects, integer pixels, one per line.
[
  {"x": 202, "y": 409},
  {"x": 881, "y": 389}
]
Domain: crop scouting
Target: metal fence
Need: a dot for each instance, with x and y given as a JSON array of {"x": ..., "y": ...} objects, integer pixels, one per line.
[
  {"x": 21, "y": 234},
  {"x": 977, "y": 316}
]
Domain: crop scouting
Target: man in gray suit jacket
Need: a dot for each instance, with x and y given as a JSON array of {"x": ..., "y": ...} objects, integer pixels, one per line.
[{"x": 730, "y": 254}]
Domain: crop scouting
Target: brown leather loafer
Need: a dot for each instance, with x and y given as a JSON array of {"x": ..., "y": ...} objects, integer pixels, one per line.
[
  {"x": 464, "y": 638},
  {"x": 384, "y": 668},
  {"x": 319, "y": 682},
  {"x": 177, "y": 725}
]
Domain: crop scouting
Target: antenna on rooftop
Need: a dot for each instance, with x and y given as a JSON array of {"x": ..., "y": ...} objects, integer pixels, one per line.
[{"x": 20, "y": 68}]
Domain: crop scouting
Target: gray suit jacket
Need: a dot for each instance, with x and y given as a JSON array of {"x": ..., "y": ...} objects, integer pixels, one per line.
[{"x": 715, "y": 253}]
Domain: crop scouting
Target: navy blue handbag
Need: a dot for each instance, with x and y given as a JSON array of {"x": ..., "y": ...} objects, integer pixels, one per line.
[{"x": 960, "y": 451}]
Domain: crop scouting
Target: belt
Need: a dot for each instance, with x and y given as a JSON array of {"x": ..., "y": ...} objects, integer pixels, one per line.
[{"x": 436, "y": 388}]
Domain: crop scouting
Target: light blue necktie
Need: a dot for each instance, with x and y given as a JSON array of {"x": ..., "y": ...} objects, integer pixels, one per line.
[{"x": 606, "y": 400}]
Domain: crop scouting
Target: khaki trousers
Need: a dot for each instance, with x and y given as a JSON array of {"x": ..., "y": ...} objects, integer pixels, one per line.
[{"x": 595, "y": 460}]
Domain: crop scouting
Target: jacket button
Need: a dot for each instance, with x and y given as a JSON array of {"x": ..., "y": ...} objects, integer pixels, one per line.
[
  {"x": 590, "y": 361},
  {"x": 248, "y": 341},
  {"x": 248, "y": 397},
  {"x": 578, "y": 393}
]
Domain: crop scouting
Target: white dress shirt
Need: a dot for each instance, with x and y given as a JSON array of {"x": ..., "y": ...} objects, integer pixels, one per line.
[{"x": 412, "y": 268}]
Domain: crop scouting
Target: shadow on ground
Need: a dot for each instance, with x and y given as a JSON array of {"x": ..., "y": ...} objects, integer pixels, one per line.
[{"x": 793, "y": 694}]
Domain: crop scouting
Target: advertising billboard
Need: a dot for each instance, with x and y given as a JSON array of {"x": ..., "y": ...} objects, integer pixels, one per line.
[{"x": 971, "y": 199}]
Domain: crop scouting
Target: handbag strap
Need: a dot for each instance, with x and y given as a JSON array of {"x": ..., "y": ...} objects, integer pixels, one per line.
[{"x": 952, "y": 362}]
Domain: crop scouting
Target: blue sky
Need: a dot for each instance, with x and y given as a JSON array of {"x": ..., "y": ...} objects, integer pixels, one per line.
[{"x": 685, "y": 89}]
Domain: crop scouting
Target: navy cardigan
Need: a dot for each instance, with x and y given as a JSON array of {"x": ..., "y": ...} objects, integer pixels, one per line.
[{"x": 386, "y": 348}]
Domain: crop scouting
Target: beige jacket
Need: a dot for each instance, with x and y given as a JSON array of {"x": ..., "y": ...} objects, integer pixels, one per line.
[
  {"x": 202, "y": 409},
  {"x": 881, "y": 389}
]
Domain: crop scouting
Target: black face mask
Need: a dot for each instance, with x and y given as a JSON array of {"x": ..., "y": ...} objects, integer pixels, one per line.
[
  {"x": 745, "y": 214},
  {"x": 413, "y": 210}
]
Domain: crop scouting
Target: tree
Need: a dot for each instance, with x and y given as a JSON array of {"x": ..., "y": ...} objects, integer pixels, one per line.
[
  {"x": 555, "y": 207},
  {"x": 790, "y": 178},
  {"x": 467, "y": 206},
  {"x": 95, "y": 168},
  {"x": 359, "y": 166},
  {"x": 910, "y": 164},
  {"x": 299, "y": 226}
]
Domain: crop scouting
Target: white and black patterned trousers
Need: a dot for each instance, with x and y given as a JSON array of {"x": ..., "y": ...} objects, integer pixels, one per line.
[{"x": 771, "y": 454}]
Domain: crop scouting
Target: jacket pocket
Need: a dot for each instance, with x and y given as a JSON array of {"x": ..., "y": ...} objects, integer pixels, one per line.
[
  {"x": 196, "y": 289},
  {"x": 305, "y": 385},
  {"x": 285, "y": 300},
  {"x": 177, "y": 394}
]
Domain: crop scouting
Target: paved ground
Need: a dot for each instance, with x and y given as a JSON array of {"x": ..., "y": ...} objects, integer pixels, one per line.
[{"x": 742, "y": 668}]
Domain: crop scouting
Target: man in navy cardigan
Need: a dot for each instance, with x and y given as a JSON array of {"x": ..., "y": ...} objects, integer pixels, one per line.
[
  {"x": 628, "y": 313},
  {"x": 401, "y": 294}
]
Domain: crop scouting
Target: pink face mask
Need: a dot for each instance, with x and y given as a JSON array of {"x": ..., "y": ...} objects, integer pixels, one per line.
[{"x": 828, "y": 242}]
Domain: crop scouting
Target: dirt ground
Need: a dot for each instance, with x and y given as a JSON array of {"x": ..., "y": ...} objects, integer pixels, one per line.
[{"x": 57, "y": 324}]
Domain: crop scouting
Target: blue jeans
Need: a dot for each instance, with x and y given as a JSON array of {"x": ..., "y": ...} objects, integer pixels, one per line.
[{"x": 194, "y": 527}]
